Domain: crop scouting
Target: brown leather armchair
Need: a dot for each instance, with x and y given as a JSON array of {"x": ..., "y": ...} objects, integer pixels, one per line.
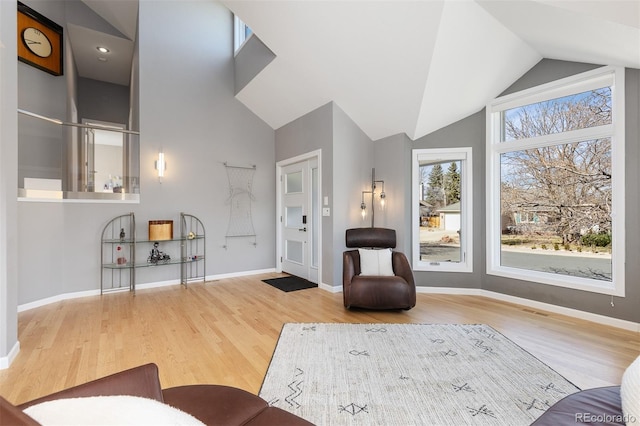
[{"x": 370, "y": 291}]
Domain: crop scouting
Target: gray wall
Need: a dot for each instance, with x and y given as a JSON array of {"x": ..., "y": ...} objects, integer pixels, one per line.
[
  {"x": 468, "y": 132},
  {"x": 352, "y": 164},
  {"x": 187, "y": 109},
  {"x": 98, "y": 100},
  {"x": 347, "y": 159},
  {"x": 308, "y": 133},
  {"x": 392, "y": 158},
  {"x": 250, "y": 60},
  {"x": 8, "y": 180}
]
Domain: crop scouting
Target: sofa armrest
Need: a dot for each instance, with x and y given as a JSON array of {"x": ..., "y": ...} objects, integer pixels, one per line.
[
  {"x": 224, "y": 405},
  {"x": 402, "y": 268},
  {"x": 12, "y": 415},
  {"x": 598, "y": 405},
  {"x": 140, "y": 381}
]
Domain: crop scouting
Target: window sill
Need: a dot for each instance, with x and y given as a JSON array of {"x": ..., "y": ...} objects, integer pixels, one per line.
[{"x": 567, "y": 281}]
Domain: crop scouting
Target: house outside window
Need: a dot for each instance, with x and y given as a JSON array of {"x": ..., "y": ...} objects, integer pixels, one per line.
[
  {"x": 555, "y": 161},
  {"x": 442, "y": 211}
]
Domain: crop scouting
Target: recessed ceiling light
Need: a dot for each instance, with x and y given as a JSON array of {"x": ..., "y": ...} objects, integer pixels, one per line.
[
  {"x": 102, "y": 49},
  {"x": 102, "y": 59}
]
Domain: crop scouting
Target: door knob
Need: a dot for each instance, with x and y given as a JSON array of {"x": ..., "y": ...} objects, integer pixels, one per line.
[{"x": 303, "y": 229}]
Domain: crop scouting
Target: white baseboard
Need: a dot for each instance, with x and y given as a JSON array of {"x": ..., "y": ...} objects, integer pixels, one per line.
[
  {"x": 156, "y": 284},
  {"x": 240, "y": 274},
  {"x": 588, "y": 316},
  {"x": 58, "y": 298},
  {"x": 330, "y": 288},
  {"x": 144, "y": 286},
  {"x": 5, "y": 361}
]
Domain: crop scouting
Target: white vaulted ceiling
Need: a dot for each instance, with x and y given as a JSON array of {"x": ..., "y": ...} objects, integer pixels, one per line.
[{"x": 415, "y": 66}]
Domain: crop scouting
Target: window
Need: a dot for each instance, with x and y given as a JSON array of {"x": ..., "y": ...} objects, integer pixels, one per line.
[
  {"x": 241, "y": 33},
  {"x": 442, "y": 211},
  {"x": 555, "y": 209}
]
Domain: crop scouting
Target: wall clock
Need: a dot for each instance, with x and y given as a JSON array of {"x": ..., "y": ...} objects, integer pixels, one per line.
[{"x": 39, "y": 41}]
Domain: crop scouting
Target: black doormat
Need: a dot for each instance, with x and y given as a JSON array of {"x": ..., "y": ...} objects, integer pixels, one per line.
[{"x": 290, "y": 283}]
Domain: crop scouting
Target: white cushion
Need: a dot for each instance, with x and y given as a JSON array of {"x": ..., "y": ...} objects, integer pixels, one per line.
[
  {"x": 376, "y": 262},
  {"x": 630, "y": 392},
  {"x": 109, "y": 410}
]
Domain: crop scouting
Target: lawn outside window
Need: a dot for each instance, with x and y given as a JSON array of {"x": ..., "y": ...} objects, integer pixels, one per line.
[{"x": 555, "y": 183}]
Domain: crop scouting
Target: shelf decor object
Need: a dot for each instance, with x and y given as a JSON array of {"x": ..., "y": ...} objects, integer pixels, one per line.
[
  {"x": 39, "y": 41},
  {"x": 119, "y": 247},
  {"x": 160, "y": 230}
]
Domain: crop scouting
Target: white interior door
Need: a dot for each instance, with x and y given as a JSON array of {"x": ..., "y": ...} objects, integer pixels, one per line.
[{"x": 294, "y": 219}]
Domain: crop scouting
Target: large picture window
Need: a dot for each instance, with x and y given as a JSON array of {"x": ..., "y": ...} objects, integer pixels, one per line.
[
  {"x": 556, "y": 183},
  {"x": 442, "y": 209}
]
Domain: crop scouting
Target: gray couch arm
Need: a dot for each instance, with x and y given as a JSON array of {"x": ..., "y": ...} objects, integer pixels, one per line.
[{"x": 598, "y": 406}]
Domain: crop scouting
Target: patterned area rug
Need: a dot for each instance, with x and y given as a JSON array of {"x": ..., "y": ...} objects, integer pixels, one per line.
[{"x": 408, "y": 374}]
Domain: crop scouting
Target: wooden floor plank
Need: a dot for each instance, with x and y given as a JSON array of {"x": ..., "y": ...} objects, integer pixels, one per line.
[{"x": 225, "y": 332}]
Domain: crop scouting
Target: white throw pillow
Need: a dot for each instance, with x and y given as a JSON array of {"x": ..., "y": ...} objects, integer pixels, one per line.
[
  {"x": 109, "y": 410},
  {"x": 630, "y": 393},
  {"x": 376, "y": 262}
]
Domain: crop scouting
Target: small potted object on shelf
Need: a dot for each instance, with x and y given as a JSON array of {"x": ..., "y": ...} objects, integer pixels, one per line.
[
  {"x": 156, "y": 256},
  {"x": 120, "y": 260}
]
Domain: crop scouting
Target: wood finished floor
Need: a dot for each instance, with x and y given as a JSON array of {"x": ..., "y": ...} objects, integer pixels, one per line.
[{"x": 225, "y": 331}]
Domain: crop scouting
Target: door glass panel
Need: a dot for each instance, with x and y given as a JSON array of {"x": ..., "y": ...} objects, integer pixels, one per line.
[
  {"x": 293, "y": 217},
  {"x": 314, "y": 223},
  {"x": 294, "y": 251},
  {"x": 293, "y": 182}
]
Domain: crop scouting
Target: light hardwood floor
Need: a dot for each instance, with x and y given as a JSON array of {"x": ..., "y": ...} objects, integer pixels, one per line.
[{"x": 225, "y": 331}]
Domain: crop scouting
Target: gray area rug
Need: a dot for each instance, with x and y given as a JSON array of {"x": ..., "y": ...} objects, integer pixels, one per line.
[{"x": 408, "y": 374}]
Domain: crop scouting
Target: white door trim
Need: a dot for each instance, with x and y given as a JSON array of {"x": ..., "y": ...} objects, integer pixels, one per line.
[{"x": 317, "y": 215}]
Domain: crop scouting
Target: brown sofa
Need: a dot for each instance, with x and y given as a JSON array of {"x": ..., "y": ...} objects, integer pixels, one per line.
[
  {"x": 376, "y": 292},
  {"x": 211, "y": 404}
]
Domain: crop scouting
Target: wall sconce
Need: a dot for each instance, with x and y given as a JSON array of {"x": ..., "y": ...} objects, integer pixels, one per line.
[
  {"x": 160, "y": 166},
  {"x": 383, "y": 197}
]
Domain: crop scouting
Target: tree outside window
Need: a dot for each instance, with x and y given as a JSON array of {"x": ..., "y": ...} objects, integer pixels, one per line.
[
  {"x": 442, "y": 219},
  {"x": 554, "y": 174}
]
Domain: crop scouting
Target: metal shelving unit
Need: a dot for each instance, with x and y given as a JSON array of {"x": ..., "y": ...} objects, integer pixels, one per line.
[
  {"x": 118, "y": 253},
  {"x": 193, "y": 249}
]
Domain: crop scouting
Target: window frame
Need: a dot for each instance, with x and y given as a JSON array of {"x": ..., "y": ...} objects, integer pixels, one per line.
[
  {"x": 464, "y": 155},
  {"x": 600, "y": 77},
  {"x": 239, "y": 34}
]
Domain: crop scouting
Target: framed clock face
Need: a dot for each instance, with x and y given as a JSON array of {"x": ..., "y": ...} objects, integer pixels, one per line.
[{"x": 39, "y": 41}]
